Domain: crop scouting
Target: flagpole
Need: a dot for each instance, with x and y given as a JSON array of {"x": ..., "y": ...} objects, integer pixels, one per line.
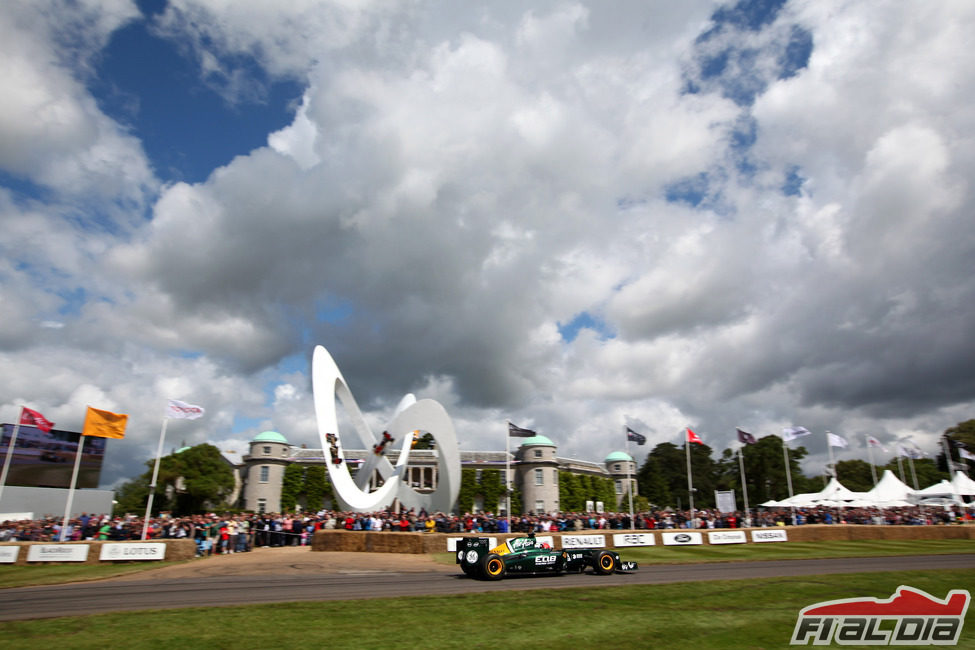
[
  {"x": 910, "y": 461},
  {"x": 74, "y": 481},
  {"x": 155, "y": 473},
  {"x": 788, "y": 478},
  {"x": 900, "y": 463},
  {"x": 744, "y": 485},
  {"x": 507, "y": 474},
  {"x": 832, "y": 462},
  {"x": 629, "y": 481},
  {"x": 948, "y": 462},
  {"x": 690, "y": 480},
  {"x": 10, "y": 453}
]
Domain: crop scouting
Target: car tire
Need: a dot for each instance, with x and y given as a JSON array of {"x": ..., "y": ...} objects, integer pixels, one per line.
[
  {"x": 469, "y": 569},
  {"x": 492, "y": 567},
  {"x": 604, "y": 563}
]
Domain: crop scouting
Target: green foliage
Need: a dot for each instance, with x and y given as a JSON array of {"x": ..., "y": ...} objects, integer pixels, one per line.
[
  {"x": 571, "y": 498},
  {"x": 856, "y": 475},
  {"x": 316, "y": 487},
  {"x": 425, "y": 441},
  {"x": 132, "y": 496},
  {"x": 292, "y": 485},
  {"x": 489, "y": 487},
  {"x": 468, "y": 490},
  {"x": 193, "y": 481}
]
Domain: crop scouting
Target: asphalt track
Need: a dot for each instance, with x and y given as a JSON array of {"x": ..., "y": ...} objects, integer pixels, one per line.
[{"x": 81, "y": 599}]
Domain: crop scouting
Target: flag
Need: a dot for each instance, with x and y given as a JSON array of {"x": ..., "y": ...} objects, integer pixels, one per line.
[
  {"x": 32, "y": 418},
  {"x": 518, "y": 432},
  {"x": 835, "y": 440},
  {"x": 966, "y": 454},
  {"x": 104, "y": 424},
  {"x": 633, "y": 436},
  {"x": 184, "y": 411},
  {"x": 956, "y": 443},
  {"x": 693, "y": 437},
  {"x": 910, "y": 453},
  {"x": 791, "y": 433},
  {"x": 745, "y": 437},
  {"x": 873, "y": 442}
]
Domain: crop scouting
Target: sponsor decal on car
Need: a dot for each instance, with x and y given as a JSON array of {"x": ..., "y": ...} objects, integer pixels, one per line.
[{"x": 909, "y": 617}]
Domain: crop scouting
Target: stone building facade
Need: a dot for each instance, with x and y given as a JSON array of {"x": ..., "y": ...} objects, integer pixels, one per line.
[{"x": 535, "y": 468}]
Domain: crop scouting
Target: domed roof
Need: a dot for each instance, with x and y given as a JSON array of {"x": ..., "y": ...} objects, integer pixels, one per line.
[
  {"x": 538, "y": 440},
  {"x": 270, "y": 436},
  {"x": 618, "y": 456},
  {"x": 180, "y": 450}
]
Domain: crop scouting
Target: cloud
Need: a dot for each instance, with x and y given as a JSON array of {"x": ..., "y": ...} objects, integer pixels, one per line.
[{"x": 751, "y": 219}]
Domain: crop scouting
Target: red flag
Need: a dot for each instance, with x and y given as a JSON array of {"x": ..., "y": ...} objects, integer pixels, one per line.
[
  {"x": 32, "y": 418},
  {"x": 692, "y": 437}
]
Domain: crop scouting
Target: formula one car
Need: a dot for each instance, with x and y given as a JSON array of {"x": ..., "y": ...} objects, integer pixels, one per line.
[{"x": 528, "y": 556}]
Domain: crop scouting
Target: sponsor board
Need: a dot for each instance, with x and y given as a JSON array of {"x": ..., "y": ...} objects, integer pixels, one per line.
[
  {"x": 8, "y": 554},
  {"x": 682, "y": 539},
  {"x": 769, "y": 535},
  {"x": 133, "y": 551},
  {"x": 452, "y": 543},
  {"x": 583, "y": 541},
  {"x": 633, "y": 539},
  {"x": 909, "y": 617},
  {"x": 57, "y": 553},
  {"x": 727, "y": 537}
]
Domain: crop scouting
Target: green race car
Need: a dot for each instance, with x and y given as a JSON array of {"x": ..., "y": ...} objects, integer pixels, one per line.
[{"x": 528, "y": 556}]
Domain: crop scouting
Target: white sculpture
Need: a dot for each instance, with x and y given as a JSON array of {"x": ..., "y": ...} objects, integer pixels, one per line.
[{"x": 411, "y": 415}]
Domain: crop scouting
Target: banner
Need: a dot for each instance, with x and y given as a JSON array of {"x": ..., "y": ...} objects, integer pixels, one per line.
[
  {"x": 725, "y": 500},
  {"x": 104, "y": 424},
  {"x": 181, "y": 410}
]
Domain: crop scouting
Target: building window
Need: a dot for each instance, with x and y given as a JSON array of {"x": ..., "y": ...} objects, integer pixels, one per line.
[
  {"x": 555, "y": 477},
  {"x": 267, "y": 450},
  {"x": 265, "y": 473},
  {"x": 539, "y": 506},
  {"x": 619, "y": 487},
  {"x": 538, "y": 453},
  {"x": 262, "y": 506},
  {"x": 616, "y": 467},
  {"x": 539, "y": 477}
]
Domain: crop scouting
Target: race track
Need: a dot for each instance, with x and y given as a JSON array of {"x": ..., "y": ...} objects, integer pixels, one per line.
[{"x": 134, "y": 594}]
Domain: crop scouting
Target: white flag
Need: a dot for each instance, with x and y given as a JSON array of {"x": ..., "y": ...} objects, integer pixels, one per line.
[
  {"x": 183, "y": 411},
  {"x": 966, "y": 454},
  {"x": 910, "y": 453},
  {"x": 791, "y": 433},
  {"x": 835, "y": 440}
]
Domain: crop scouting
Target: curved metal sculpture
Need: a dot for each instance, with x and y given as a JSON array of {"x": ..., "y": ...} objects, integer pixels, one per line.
[{"x": 411, "y": 415}]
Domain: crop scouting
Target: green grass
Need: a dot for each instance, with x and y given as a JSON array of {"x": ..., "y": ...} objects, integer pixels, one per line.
[
  {"x": 719, "y": 614},
  {"x": 12, "y": 575},
  {"x": 783, "y": 551}
]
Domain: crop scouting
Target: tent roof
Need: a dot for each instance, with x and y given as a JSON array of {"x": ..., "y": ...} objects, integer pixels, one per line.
[
  {"x": 962, "y": 484},
  {"x": 889, "y": 488}
]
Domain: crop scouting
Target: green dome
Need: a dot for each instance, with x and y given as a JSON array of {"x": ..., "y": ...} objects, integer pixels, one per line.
[
  {"x": 270, "y": 436},
  {"x": 618, "y": 456},
  {"x": 538, "y": 440},
  {"x": 180, "y": 450}
]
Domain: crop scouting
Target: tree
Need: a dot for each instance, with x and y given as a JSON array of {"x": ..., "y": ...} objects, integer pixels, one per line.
[
  {"x": 292, "y": 486},
  {"x": 192, "y": 481},
  {"x": 425, "y": 441},
  {"x": 856, "y": 475},
  {"x": 316, "y": 487}
]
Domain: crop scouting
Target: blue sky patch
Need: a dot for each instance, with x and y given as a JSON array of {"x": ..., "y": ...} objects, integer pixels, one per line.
[
  {"x": 585, "y": 320},
  {"x": 186, "y": 127}
]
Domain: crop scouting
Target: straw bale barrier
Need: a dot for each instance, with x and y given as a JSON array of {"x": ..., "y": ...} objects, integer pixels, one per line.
[{"x": 396, "y": 542}]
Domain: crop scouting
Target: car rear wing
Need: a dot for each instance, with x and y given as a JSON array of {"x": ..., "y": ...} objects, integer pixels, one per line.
[{"x": 472, "y": 549}]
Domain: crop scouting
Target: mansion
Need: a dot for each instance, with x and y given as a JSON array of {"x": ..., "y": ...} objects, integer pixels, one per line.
[{"x": 534, "y": 466}]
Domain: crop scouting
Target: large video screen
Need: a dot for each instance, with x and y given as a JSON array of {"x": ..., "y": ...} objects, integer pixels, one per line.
[{"x": 47, "y": 459}]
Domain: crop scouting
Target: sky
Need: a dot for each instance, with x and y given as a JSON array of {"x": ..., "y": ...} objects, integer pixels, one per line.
[{"x": 574, "y": 216}]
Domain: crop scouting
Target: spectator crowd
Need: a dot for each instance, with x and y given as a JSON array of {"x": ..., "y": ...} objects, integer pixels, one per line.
[{"x": 237, "y": 533}]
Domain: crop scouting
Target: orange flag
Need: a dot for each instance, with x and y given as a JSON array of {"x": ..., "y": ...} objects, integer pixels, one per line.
[{"x": 104, "y": 424}]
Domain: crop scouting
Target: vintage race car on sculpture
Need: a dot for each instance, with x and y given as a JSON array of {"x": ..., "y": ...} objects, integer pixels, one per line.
[{"x": 528, "y": 556}]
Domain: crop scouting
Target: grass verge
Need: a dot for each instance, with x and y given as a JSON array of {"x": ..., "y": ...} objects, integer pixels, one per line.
[{"x": 719, "y": 614}]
